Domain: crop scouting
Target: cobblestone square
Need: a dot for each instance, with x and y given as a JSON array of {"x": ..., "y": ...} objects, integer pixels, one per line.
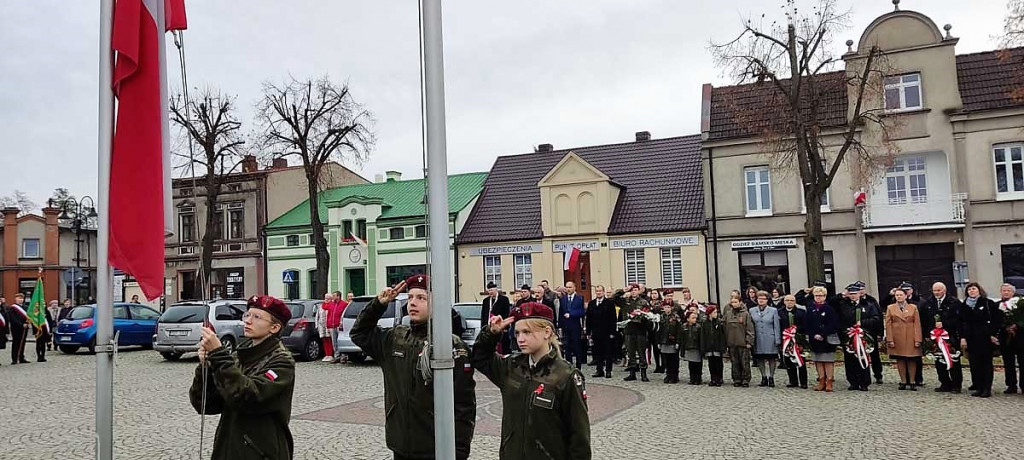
[{"x": 49, "y": 412}]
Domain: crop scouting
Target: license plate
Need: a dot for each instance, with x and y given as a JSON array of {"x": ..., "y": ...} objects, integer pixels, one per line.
[
  {"x": 178, "y": 333},
  {"x": 65, "y": 339}
]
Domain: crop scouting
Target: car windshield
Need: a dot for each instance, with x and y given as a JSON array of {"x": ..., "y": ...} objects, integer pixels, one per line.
[
  {"x": 184, "y": 314},
  {"x": 81, "y": 312},
  {"x": 297, "y": 310},
  {"x": 468, "y": 312},
  {"x": 356, "y": 306}
]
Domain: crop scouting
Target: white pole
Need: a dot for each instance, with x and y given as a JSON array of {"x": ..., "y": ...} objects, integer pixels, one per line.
[
  {"x": 437, "y": 212},
  {"x": 104, "y": 310}
]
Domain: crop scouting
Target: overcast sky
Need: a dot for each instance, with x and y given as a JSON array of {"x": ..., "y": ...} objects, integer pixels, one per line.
[{"x": 518, "y": 73}]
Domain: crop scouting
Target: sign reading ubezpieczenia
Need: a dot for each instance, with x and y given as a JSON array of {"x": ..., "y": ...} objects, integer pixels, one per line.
[
  {"x": 506, "y": 249},
  {"x": 658, "y": 242}
]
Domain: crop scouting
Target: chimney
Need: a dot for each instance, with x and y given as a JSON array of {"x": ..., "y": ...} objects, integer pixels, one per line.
[
  {"x": 378, "y": 178},
  {"x": 705, "y": 109},
  {"x": 393, "y": 175},
  {"x": 545, "y": 148},
  {"x": 51, "y": 239},
  {"x": 10, "y": 235},
  {"x": 643, "y": 136},
  {"x": 249, "y": 164},
  {"x": 279, "y": 163}
]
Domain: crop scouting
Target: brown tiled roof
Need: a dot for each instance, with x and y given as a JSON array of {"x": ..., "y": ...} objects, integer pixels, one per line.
[
  {"x": 661, "y": 184},
  {"x": 988, "y": 79},
  {"x": 748, "y": 110}
]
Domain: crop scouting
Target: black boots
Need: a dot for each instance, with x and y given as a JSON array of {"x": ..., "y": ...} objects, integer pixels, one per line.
[
  {"x": 600, "y": 373},
  {"x": 771, "y": 382},
  {"x": 643, "y": 375},
  {"x": 764, "y": 382},
  {"x": 632, "y": 375},
  {"x": 659, "y": 370}
]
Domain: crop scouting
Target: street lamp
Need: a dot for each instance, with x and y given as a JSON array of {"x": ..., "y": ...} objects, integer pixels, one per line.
[{"x": 82, "y": 213}]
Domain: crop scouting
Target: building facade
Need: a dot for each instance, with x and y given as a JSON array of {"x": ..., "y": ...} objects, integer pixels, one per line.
[
  {"x": 31, "y": 242},
  {"x": 952, "y": 195},
  {"x": 376, "y": 235},
  {"x": 634, "y": 210}
]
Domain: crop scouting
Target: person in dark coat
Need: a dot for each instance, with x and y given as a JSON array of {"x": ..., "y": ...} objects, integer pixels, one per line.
[
  {"x": 601, "y": 328},
  {"x": 404, "y": 360},
  {"x": 17, "y": 320},
  {"x": 712, "y": 344},
  {"x": 3, "y": 323},
  {"x": 573, "y": 309},
  {"x": 750, "y": 299},
  {"x": 496, "y": 304},
  {"x": 251, "y": 388},
  {"x": 790, "y": 315},
  {"x": 943, "y": 310},
  {"x": 822, "y": 337},
  {"x": 849, "y": 305},
  {"x": 980, "y": 324},
  {"x": 915, "y": 299}
]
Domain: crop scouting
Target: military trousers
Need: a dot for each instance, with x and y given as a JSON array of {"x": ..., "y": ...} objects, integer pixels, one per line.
[
  {"x": 740, "y": 359},
  {"x": 636, "y": 350}
]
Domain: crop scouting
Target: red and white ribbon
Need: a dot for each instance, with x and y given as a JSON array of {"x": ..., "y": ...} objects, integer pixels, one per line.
[
  {"x": 859, "y": 349},
  {"x": 789, "y": 340},
  {"x": 941, "y": 337}
]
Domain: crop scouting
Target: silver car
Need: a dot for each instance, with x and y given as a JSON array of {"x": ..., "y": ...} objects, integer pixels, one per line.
[
  {"x": 348, "y": 319},
  {"x": 470, "y": 313},
  {"x": 177, "y": 331}
]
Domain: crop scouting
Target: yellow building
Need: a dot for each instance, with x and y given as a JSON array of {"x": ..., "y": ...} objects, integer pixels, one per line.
[{"x": 634, "y": 210}]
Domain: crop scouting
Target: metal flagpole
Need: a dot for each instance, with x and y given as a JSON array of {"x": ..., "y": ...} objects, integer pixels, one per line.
[
  {"x": 104, "y": 310},
  {"x": 437, "y": 206}
]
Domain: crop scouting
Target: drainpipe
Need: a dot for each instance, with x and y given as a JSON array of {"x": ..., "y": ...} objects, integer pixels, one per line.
[{"x": 714, "y": 223}]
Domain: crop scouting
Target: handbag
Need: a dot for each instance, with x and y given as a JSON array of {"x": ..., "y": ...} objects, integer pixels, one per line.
[{"x": 832, "y": 339}]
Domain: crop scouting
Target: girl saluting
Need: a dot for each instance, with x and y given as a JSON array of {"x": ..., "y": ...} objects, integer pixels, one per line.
[{"x": 544, "y": 398}]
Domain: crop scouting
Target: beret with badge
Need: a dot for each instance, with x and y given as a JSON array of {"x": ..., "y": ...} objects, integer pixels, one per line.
[{"x": 271, "y": 305}]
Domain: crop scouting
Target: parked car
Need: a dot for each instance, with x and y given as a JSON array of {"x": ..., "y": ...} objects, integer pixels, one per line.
[
  {"x": 135, "y": 323},
  {"x": 461, "y": 326},
  {"x": 177, "y": 332},
  {"x": 300, "y": 335},
  {"x": 387, "y": 321}
]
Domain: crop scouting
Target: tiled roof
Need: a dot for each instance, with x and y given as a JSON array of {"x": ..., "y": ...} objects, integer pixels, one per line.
[
  {"x": 987, "y": 79},
  {"x": 748, "y": 110},
  {"x": 403, "y": 198},
  {"x": 660, "y": 180}
]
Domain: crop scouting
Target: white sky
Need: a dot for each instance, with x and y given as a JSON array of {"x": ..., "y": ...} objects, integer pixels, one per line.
[{"x": 518, "y": 74}]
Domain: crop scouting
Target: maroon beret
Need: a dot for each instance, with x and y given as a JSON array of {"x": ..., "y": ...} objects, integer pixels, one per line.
[
  {"x": 710, "y": 308},
  {"x": 535, "y": 310},
  {"x": 271, "y": 305},
  {"x": 634, "y": 286},
  {"x": 417, "y": 282}
]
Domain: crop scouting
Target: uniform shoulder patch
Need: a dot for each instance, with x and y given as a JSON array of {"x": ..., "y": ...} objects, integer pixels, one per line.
[{"x": 271, "y": 375}]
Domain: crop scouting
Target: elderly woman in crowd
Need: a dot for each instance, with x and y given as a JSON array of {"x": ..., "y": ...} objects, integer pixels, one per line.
[
  {"x": 822, "y": 328},
  {"x": 767, "y": 338}
]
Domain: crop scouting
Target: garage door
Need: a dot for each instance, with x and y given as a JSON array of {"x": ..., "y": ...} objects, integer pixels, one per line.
[{"x": 921, "y": 264}]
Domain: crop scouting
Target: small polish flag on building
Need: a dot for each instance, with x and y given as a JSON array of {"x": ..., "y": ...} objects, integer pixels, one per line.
[
  {"x": 572, "y": 259},
  {"x": 860, "y": 198}
]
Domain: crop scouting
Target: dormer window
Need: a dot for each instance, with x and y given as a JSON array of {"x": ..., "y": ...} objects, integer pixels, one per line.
[{"x": 903, "y": 92}]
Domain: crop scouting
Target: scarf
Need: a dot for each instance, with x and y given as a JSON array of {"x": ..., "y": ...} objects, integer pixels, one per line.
[{"x": 971, "y": 302}]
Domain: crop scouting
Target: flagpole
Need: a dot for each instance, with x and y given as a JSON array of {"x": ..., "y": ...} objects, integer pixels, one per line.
[
  {"x": 104, "y": 287},
  {"x": 437, "y": 206}
]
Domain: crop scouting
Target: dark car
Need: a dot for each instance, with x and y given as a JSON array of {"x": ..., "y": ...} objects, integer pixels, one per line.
[
  {"x": 135, "y": 323},
  {"x": 300, "y": 335}
]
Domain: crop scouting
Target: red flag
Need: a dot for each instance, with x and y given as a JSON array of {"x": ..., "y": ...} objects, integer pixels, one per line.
[
  {"x": 136, "y": 206},
  {"x": 571, "y": 259},
  {"x": 175, "y": 12}
]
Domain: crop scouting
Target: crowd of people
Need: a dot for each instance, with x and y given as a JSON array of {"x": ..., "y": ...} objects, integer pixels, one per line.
[
  {"x": 638, "y": 326},
  {"x": 14, "y": 320}
]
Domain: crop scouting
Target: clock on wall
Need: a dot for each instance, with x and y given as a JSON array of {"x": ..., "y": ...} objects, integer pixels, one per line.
[{"x": 355, "y": 256}]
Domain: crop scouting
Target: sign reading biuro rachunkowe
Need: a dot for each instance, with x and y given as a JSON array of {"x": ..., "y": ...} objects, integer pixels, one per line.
[{"x": 659, "y": 242}]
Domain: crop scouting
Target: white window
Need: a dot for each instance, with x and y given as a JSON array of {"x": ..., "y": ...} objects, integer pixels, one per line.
[
  {"x": 671, "y": 267},
  {"x": 187, "y": 227},
  {"x": 1009, "y": 160},
  {"x": 903, "y": 92},
  {"x": 524, "y": 270},
  {"x": 30, "y": 248},
  {"x": 759, "y": 191},
  {"x": 906, "y": 181},
  {"x": 492, "y": 270},
  {"x": 636, "y": 271}
]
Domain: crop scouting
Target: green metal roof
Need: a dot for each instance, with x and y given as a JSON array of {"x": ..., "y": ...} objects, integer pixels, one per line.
[{"x": 403, "y": 198}]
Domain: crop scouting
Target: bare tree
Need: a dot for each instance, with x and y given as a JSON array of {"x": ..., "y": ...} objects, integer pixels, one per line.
[
  {"x": 316, "y": 121},
  {"x": 791, "y": 68},
  {"x": 18, "y": 200},
  {"x": 209, "y": 128},
  {"x": 1013, "y": 24}
]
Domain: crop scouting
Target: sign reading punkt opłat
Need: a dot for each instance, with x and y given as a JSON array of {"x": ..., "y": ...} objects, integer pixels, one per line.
[
  {"x": 583, "y": 246},
  {"x": 659, "y": 242},
  {"x": 506, "y": 249}
]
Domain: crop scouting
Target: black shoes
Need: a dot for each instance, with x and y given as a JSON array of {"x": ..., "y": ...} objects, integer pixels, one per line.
[
  {"x": 764, "y": 382},
  {"x": 659, "y": 370},
  {"x": 631, "y": 377},
  {"x": 878, "y": 380},
  {"x": 943, "y": 389},
  {"x": 1010, "y": 391},
  {"x": 599, "y": 373},
  {"x": 771, "y": 382},
  {"x": 643, "y": 375}
]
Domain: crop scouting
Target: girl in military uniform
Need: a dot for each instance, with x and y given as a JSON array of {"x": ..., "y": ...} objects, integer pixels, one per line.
[
  {"x": 712, "y": 343},
  {"x": 653, "y": 337},
  {"x": 544, "y": 398},
  {"x": 690, "y": 344},
  {"x": 669, "y": 335}
]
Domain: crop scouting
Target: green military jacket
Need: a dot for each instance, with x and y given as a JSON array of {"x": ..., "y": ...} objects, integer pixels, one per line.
[
  {"x": 638, "y": 325},
  {"x": 690, "y": 335},
  {"x": 712, "y": 336},
  {"x": 739, "y": 327},
  {"x": 408, "y": 398},
  {"x": 252, "y": 392},
  {"x": 544, "y": 407},
  {"x": 670, "y": 330}
]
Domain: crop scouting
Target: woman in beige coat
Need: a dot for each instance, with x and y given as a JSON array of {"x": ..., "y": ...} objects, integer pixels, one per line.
[{"x": 903, "y": 336}]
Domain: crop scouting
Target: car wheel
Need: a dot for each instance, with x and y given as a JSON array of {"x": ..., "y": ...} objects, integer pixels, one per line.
[
  {"x": 69, "y": 349},
  {"x": 229, "y": 343},
  {"x": 311, "y": 352},
  {"x": 92, "y": 346},
  {"x": 356, "y": 357},
  {"x": 170, "y": 355}
]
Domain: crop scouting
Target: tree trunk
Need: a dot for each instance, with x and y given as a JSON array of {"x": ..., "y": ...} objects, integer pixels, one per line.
[
  {"x": 814, "y": 246},
  {"x": 323, "y": 257},
  {"x": 206, "y": 256}
]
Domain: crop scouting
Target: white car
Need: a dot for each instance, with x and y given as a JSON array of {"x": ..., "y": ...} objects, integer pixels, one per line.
[{"x": 387, "y": 321}]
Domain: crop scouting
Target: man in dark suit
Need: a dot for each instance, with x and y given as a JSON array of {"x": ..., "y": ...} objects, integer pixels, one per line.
[
  {"x": 571, "y": 322},
  {"x": 20, "y": 327},
  {"x": 496, "y": 304},
  {"x": 947, "y": 308},
  {"x": 601, "y": 325},
  {"x": 3, "y": 323}
]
